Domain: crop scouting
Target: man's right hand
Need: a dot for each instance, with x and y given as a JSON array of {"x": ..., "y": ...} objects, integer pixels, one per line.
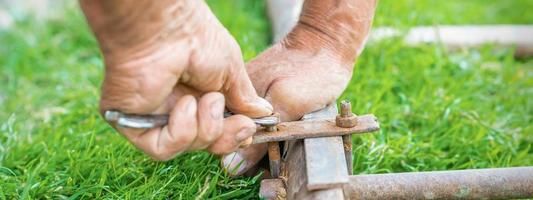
[{"x": 174, "y": 57}]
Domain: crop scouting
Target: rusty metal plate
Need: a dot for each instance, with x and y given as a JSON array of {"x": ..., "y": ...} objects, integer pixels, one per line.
[
  {"x": 325, "y": 163},
  {"x": 317, "y": 128}
]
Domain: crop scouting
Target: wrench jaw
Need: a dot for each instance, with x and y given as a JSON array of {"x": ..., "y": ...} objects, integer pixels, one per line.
[{"x": 135, "y": 123}]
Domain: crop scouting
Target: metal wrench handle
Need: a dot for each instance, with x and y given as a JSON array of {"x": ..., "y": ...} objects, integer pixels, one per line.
[{"x": 152, "y": 121}]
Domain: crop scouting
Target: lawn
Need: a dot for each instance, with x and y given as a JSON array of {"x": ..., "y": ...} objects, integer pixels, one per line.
[{"x": 438, "y": 110}]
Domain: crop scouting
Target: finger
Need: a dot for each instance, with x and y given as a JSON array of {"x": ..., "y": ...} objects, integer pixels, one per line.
[
  {"x": 307, "y": 94},
  {"x": 242, "y": 160},
  {"x": 210, "y": 120},
  {"x": 133, "y": 89},
  {"x": 241, "y": 97},
  {"x": 224, "y": 71},
  {"x": 165, "y": 143},
  {"x": 237, "y": 131}
]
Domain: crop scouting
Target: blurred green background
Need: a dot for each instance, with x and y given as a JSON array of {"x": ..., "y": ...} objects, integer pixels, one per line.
[{"x": 438, "y": 110}]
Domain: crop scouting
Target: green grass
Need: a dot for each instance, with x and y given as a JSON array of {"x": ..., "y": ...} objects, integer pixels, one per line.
[
  {"x": 417, "y": 12},
  {"x": 438, "y": 110}
]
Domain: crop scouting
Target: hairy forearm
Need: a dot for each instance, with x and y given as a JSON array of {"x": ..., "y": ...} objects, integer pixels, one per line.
[
  {"x": 341, "y": 26},
  {"x": 133, "y": 25}
]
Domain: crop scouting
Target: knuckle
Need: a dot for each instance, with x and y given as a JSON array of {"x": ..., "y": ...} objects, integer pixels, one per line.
[
  {"x": 210, "y": 136},
  {"x": 161, "y": 156},
  {"x": 208, "y": 133},
  {"x": 133, "y": 95},
  {"x": 244, "y": 120},
  {"x": 222, "y": 148},
  {"x": 181, "y": 142},
  {"x": 214, "y": 95}
]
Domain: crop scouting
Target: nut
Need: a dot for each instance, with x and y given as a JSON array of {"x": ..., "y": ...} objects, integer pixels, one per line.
[{"x": 346, "y": 122}]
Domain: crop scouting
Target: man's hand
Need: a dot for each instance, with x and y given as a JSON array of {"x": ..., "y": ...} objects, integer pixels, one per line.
[
  {"x": 311, "y": 67},
  {"x": 174, "y": 57},
  {"x": 298, "y": 82}
]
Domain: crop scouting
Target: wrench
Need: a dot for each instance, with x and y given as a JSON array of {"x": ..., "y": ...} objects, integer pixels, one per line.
[{"x": 152, "y": 121}]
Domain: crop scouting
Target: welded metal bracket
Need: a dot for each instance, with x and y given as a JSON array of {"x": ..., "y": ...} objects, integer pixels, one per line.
[
  {"x": 324, "y": 131},
  {"x": 310, "y": 171},
  {"x": 315, "y": 167}
]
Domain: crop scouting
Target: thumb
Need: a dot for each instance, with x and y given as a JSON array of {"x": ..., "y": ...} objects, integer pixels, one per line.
[{"x": 241, "y": 97}]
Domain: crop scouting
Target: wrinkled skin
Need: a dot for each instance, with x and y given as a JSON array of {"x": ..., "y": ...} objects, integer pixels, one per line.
[
  {"x": 174, "y": 57},
  {"x": 310, "y": 68}
]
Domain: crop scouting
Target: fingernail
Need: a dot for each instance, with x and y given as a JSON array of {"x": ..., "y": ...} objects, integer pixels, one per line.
[
  {"x": 234, "y": 163},
  {"x": 217, "y": 108},
  {"x": 265, "y": 104},
  {"x": 247, "y": 143},
  {"x": 191, "y": 107},
  {"x": 244, "y": 133}
]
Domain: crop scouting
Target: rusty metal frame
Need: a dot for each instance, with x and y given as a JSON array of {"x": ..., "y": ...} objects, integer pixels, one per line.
[{"x": 497, "y": 183}]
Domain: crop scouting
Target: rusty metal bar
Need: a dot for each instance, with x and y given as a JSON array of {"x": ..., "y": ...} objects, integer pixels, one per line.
[
  {"x": 325, "y": 163},
  {"x": 498, "y": 183},
  {"x": 274, "y": 159},
  {"x": 346, "y": 119},
  {"x": 294, "y": 170},
  {"x": 347, "y": 144},
  {"x": 319, "y": 128},
  {"x": 272, "y": 189}
]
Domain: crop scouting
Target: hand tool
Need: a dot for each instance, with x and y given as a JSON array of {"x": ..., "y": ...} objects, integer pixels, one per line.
[{"x": 152, "y": 121}]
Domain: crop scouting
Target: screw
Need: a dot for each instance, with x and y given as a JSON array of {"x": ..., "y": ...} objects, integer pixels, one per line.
[
  {"x": 346, "y": 108},
  {"x": 346, "y": 118}
]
